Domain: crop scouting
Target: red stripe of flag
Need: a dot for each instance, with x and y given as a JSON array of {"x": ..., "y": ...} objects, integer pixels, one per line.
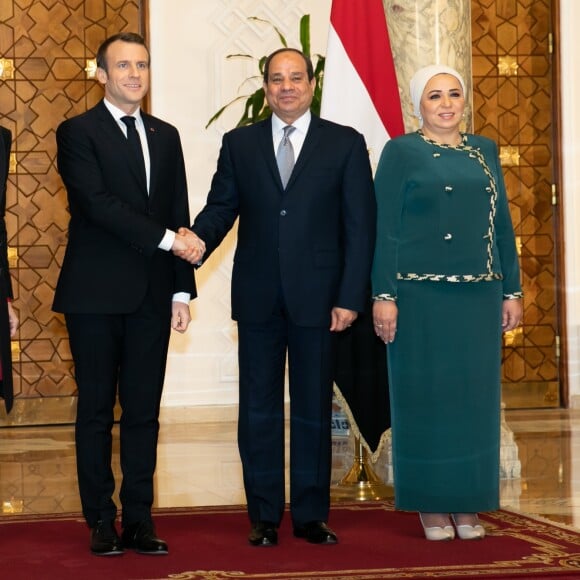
[{"x": 362, "y": 28}]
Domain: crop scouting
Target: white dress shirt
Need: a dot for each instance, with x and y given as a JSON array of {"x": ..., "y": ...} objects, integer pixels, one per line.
[{"x": 296, "y": 137}]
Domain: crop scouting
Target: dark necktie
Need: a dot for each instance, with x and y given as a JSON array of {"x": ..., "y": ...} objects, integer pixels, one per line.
[
  {"x": 285, "y": 156},
  {"x": 135, "y": 143}
]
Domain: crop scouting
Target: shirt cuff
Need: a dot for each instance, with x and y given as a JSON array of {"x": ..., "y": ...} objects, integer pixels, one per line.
[
  {"x": 167, "y": 241},
  {"x": 184, "y": 297}
]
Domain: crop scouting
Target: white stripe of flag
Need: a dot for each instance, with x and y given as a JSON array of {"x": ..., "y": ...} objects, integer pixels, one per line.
[{"x": 360, "y": 85}]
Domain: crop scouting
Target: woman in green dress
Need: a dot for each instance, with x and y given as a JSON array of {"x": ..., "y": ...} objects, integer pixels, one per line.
[{"x": 446, "y": 283}]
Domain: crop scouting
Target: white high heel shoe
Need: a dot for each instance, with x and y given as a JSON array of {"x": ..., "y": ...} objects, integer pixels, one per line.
[
  {"x": 468, "y": 532},
  {"x": 437, "y": 533}
]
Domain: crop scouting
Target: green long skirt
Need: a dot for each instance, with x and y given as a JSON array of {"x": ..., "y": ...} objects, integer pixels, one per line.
[{"x": 444, "y": 376}]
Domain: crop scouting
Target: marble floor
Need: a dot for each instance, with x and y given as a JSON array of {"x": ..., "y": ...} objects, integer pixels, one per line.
[{"x": 198, "y": 464}]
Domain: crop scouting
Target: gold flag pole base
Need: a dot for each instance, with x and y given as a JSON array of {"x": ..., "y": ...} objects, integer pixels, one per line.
[{"x": 361, "y": 483}]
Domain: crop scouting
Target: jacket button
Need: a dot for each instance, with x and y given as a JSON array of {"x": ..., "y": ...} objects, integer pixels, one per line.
[
  {"x": 447, "y": 237},
  {"x": 283, "y": 213},
  {"x": 448, "y": 188}
]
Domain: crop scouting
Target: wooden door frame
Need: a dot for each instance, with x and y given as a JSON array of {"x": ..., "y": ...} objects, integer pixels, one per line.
[{"x": 559, "y": 247}]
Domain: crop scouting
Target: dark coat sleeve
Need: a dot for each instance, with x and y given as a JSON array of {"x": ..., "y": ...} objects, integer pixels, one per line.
[{"x": 6, "y": 384}]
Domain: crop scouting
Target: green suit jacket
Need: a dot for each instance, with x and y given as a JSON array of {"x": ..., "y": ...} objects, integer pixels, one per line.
[{"x": 443, "y": 215}]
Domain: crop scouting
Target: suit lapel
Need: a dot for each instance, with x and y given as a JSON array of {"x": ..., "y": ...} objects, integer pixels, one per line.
[
  {"x": 266, "y": 144},
  {"x": 308, "y": 150},
  {"x": 153, "y": 145}
]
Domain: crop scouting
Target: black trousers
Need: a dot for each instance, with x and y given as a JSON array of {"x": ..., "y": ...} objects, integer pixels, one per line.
[
  {"x": 124, "y": 354},
  {"x": 261, "y": 435}
]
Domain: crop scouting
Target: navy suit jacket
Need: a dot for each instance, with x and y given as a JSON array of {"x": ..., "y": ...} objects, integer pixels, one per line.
[
  {"x": 315, "y": 239},
  {"x": 115, "y": 227}
]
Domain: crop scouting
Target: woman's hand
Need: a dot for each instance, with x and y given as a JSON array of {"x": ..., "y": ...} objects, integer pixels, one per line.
[
  {"x": 511, "y": 314},
  {"x": 12, "y": 319},
  {"x": 385, "y": 319}
]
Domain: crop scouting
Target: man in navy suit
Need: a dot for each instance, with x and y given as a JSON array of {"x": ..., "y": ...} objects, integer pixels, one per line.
[
  {"x": 121, "y": 288},
  {"x": 300, "y": 275}
]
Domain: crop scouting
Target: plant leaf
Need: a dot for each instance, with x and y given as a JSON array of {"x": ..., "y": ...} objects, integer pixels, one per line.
[
  {"x": 305, "y": 34},
  {"x": 261, "y": 64},
  {"x": 219, "y": 113},
  {"x": 239, "y": 55},
  {"x": 280, "y": 35},
  {"x": 257, "y": 103}
]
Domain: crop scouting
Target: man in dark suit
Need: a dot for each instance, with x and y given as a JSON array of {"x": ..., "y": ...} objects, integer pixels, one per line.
[
  {"x": 300, "y": 275},
  {"x": 120, "y": 288},
  {"x": 8, "y": 316}
]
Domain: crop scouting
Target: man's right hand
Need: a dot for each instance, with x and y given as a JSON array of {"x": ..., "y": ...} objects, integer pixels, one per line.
[{"x": 188, "y": 246}]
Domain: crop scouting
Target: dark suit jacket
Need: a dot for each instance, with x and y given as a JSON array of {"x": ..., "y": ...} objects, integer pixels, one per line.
[
  {"x": 315, "y": 238},
  {"x": 115, "y": 227},
  {"x": 6, "y": 387}
]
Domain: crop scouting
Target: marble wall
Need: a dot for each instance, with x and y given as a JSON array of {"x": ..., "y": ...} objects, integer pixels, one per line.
[{"x": 425, "y": 32}]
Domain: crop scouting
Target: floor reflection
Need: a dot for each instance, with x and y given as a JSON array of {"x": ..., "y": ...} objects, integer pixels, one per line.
[{"x": 198, "y": 464}]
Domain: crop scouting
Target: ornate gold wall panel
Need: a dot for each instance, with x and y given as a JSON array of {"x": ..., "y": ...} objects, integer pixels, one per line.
[
  {"x": 513, "y": 93},
  {"x": 47, "y": 44}
]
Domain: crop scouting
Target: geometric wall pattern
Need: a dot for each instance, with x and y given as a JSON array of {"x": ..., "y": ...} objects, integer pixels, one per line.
[
  {"x": 47, "y": 44},
  {"x": 513, "y": 105}
]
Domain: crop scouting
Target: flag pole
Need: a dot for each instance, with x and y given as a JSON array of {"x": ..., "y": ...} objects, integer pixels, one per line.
[
  {"x": 361, "y": 90},
  {"x": 361, "y": 483}
]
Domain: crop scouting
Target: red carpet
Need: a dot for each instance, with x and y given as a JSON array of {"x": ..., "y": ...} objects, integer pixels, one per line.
[{"x": 376, "y": 542}]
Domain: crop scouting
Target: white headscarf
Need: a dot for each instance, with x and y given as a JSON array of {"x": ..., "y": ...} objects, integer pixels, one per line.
[{"x": 423, "y": 76}]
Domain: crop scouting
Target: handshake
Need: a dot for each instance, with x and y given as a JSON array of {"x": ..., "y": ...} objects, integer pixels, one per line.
[{"x": 188, "y": 246}]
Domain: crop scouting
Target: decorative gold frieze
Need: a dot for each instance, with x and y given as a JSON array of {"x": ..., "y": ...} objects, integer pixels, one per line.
[
  {"x": 509, "y": 155},
  {"x": 514, "y": 337},
  {"x": 507, "y": 66},
  {"x": 15, "y": 348},
  {"x": 12, "y": 257},
  {"x": 12, "y": 163},
  {"x": 91, "y": 68},
  {"x": 6, "y": 68}
]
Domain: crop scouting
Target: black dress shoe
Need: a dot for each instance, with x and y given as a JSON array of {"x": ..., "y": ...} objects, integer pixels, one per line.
[
  {"x": 316, "y": 533},
  {"x": 142, "y": 538},
  {"x": 105, "y": 540},
  {"x": 263, "y": 534}
]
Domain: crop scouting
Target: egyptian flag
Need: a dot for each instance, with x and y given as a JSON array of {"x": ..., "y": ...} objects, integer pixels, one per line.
[{"x": 360, "y": 90}]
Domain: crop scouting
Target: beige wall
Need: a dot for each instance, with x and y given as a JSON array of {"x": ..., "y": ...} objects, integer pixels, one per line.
[{"x": 569, "y": 49}]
